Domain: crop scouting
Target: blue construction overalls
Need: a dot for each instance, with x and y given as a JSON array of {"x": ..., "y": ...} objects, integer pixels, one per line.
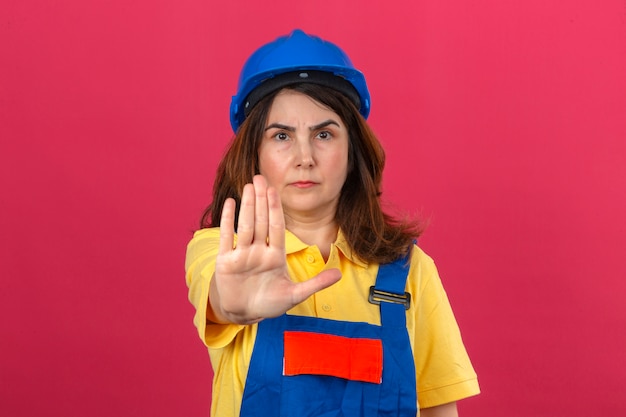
[{"x": 271, "y": 393}]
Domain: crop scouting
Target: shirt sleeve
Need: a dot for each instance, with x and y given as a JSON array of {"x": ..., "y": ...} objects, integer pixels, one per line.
[
  {"x": 443, "y": 369},
  {"x": 199, "y": 267}
]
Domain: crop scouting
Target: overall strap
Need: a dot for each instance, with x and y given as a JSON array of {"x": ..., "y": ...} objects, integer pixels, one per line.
[{"x": 389, "y": 292}]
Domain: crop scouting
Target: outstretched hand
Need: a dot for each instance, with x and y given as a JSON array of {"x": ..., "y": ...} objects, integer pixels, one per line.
[{"x": 251, "y": 281}]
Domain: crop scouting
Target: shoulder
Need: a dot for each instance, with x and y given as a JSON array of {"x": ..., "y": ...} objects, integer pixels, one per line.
[
  {"x": 204, "y": 237},
  {"x": 203, "y": 243},
  {"x": 208, "y": 233},
  {"x": 421, "y": 261},
  {"x": 423, "y": 274}
]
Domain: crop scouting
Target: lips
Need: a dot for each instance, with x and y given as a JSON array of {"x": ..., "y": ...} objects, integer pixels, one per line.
[{"x": 303, "y": 184}]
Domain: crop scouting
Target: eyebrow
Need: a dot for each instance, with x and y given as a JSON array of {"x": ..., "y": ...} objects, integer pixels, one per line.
[{"x": 293, "y": 129}]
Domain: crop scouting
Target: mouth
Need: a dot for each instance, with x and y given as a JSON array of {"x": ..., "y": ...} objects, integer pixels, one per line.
[{"x": 303, "y": 184}]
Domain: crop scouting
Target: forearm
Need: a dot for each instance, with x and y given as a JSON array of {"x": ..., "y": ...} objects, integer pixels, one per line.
[
  {"x": 444, "y": 410},
  {"x": 212, "y": 311}
]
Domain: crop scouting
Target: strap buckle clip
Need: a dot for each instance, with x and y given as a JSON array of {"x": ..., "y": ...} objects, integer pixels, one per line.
[{"x": 378, "y": 296}]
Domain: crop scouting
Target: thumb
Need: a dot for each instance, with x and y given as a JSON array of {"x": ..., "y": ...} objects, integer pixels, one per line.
[{"x": 324, "y": 279}]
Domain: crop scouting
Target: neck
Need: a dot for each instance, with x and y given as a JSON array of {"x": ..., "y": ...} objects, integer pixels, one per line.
[{"x": 320, "y": 232}]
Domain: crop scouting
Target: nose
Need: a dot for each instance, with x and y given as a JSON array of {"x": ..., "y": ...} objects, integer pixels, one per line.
[{"x": 304, "y": 157}]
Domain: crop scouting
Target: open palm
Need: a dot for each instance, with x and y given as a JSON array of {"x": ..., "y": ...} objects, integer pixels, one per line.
[{"x": 251, "y": 280}]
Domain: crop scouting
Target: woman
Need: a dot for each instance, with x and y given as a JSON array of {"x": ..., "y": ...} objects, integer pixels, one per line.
[{"x": 311, "y": 300}]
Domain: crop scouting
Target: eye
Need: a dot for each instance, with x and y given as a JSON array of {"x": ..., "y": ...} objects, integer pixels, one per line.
[
  {"x": 281, "y": 136},
  {"x": 324, "y": 135}
]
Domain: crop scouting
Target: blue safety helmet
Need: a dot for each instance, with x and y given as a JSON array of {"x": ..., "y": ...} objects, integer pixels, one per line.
[{"x": 295, "y": 58}]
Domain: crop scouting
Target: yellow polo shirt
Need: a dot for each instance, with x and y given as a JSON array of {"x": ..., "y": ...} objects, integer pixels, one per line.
[{"x": 443, "y": 370}]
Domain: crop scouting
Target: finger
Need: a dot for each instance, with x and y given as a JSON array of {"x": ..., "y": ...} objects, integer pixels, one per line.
[
  {"x": 276, "y": 220},
  {"x": 305, "y": 289},
  {"x": 227, "y": 226},
  {"x": 260, "y": 209},
  {"x": 245, "y": 225}
]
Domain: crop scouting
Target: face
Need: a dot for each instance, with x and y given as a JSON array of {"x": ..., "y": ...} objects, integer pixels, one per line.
[{"x": 304, "y": 155}]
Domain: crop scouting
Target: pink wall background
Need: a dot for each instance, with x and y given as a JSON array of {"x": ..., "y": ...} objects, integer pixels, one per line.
[{"x": 504, "y": 123}]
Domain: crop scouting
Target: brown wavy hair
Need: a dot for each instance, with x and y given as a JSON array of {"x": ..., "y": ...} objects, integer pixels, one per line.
[{"x": 373, "y": 235}]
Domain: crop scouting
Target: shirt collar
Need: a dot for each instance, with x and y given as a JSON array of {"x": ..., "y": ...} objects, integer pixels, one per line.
[{"x": 294, "y": 244}]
